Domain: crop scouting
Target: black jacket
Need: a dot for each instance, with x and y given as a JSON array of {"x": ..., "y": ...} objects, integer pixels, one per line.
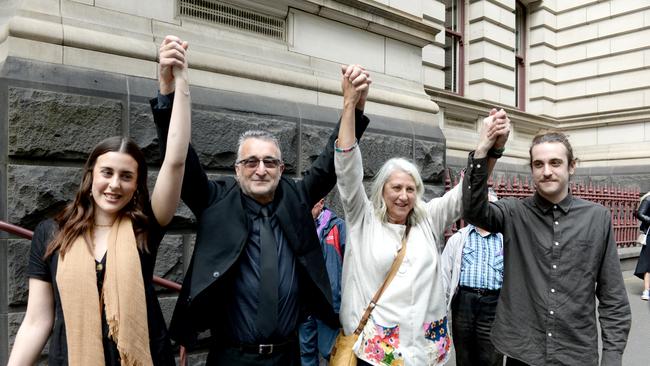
[
  {"x": 223, "y": 230},
  {"x": 644, "y": 214}
]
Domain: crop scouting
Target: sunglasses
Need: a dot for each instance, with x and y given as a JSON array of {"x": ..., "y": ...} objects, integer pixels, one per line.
[{"x": 253, "y": 162}]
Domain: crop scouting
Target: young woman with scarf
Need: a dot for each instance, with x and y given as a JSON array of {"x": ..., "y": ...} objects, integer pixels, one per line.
[{"x": 90, "y": 268}]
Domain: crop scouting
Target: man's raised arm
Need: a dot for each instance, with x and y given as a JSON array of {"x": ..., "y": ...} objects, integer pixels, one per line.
[{"x": 476, "y": 208}]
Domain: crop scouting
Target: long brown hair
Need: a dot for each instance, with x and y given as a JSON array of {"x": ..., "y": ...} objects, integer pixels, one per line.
[{"x": 77, "y": 218}]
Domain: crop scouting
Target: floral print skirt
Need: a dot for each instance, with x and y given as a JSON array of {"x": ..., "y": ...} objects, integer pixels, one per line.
[{"x": 380, "y": 345}]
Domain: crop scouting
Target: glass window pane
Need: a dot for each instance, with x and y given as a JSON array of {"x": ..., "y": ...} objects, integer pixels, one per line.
[
  {"x": 451, "y": 14},
  {"x": 520, "y": 16},
  {"x": 451, "y": 63}
]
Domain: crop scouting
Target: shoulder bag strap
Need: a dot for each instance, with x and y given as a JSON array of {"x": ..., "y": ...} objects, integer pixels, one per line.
[{"x": 391, "y": 274}]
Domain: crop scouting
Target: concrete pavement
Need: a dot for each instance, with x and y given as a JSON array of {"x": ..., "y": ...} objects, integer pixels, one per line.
[{"x": 637, "y": 352}]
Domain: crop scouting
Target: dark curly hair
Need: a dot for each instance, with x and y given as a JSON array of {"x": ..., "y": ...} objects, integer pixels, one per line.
[{"x": 552, "y": 136}]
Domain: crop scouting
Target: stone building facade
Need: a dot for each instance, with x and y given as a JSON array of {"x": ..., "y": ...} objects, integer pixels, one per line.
[
  {"x": 73, "y": 72},
  {"x": 580, "y": 66}
]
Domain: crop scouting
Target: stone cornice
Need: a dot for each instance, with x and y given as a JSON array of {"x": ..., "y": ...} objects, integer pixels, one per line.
[
  {"x": 240, "y": 68},
  {"x": 140, "y": 42},
  {"x": 533, "y": 122},
  {"x": 479, "y": 108},
  {"x": 369, "y": 15},
  {"x": 606, "y": 119},
  {"x": 387, "y": 19}
]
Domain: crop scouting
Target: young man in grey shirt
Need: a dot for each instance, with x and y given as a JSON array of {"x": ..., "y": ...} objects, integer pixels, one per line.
[{"x": 560, "y": 256}]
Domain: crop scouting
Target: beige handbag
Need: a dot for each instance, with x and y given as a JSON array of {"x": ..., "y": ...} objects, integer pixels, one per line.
[{"x": 342, "y": 353}]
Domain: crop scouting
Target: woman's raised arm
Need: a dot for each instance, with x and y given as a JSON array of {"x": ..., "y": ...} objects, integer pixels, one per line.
[
  {"x": 167, "y": 191},
  {"x": 355, "y": 84}
]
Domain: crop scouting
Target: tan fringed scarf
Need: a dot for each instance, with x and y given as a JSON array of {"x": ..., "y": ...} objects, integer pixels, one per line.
[{"x": 123, "y": 295}]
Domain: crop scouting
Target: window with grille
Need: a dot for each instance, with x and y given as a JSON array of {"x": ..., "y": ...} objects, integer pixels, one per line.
[
  {"x": 218, "y": 12},
  {"x": 454, "y": 53}
]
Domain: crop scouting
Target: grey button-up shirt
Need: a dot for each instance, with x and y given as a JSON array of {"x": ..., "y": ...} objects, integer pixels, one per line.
[{"x": 558, "y": 259}]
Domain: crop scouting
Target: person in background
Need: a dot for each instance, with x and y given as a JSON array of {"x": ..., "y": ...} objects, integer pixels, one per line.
[
  {"x": 472, "y": 264},
  {"x": 91, "y": 267},
  {"x": 316, "y": 337},
  {"x": 643, "y": 265}
]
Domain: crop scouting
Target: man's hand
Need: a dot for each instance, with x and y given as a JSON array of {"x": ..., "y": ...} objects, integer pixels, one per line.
[
  {"x": 501, "y": 128},
  {"x": 495, "y": 129},
  {"x": 355, "y": 84},
  {"x": 171, "y": 63}
]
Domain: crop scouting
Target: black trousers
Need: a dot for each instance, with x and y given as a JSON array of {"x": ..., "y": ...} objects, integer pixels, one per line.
[
  {"x": 228, "y": 356},
  {"x": 513, "y": 362},
  {"x": 472, "y": 317}
]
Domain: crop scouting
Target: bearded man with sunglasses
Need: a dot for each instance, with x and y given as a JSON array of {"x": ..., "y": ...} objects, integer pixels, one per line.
[{"x": 257, "y": 265}]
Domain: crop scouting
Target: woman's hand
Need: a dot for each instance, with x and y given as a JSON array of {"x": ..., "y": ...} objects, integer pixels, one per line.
[
  {"x": 171, "y": 57},
  {"x": 355, "y": 85}
]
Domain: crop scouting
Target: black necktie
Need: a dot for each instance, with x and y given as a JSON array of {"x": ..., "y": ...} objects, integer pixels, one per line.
[{"x": 267, "y": 310}]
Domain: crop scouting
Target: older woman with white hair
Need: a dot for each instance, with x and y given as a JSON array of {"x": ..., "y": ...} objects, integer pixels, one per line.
[{"x": 408, "y": 325}]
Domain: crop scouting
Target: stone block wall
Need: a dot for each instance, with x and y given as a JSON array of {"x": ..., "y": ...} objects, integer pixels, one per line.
[
  {"x": 52, "y": 115},
  {"x": 588, "y": 57}
]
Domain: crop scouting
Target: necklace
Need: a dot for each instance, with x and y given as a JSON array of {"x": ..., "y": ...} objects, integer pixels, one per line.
[{"x": 107, "y": 225}]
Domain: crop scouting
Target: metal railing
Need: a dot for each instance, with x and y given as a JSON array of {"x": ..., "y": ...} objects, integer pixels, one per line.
[
  {"x": 170, "y": 285},
  {"x": 621, "y": 202}
]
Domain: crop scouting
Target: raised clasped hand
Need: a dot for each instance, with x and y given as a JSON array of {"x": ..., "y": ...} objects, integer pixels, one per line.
[
  {"x": 494, "y": 131},
  {"x": 500, "y": 129},
  {"x": 172, "y": 62},
  {"x": 355, "y": 84}
]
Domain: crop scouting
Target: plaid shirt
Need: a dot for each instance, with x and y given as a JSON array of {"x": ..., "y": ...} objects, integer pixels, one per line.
[{"x": 482, "y": 262}]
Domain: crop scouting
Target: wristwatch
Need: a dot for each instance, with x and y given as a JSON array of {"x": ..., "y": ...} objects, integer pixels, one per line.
[{"x": 496, "y": 152}]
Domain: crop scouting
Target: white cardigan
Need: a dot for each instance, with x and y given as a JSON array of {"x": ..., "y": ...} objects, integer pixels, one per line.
[{"x": 409, "y": 324}]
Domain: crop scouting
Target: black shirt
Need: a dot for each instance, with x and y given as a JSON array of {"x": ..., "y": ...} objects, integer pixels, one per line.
[
  {"x": 45, "y": 270},
  {"x": 558, "y": 259},
  {"x": 242, "y": 308}
]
